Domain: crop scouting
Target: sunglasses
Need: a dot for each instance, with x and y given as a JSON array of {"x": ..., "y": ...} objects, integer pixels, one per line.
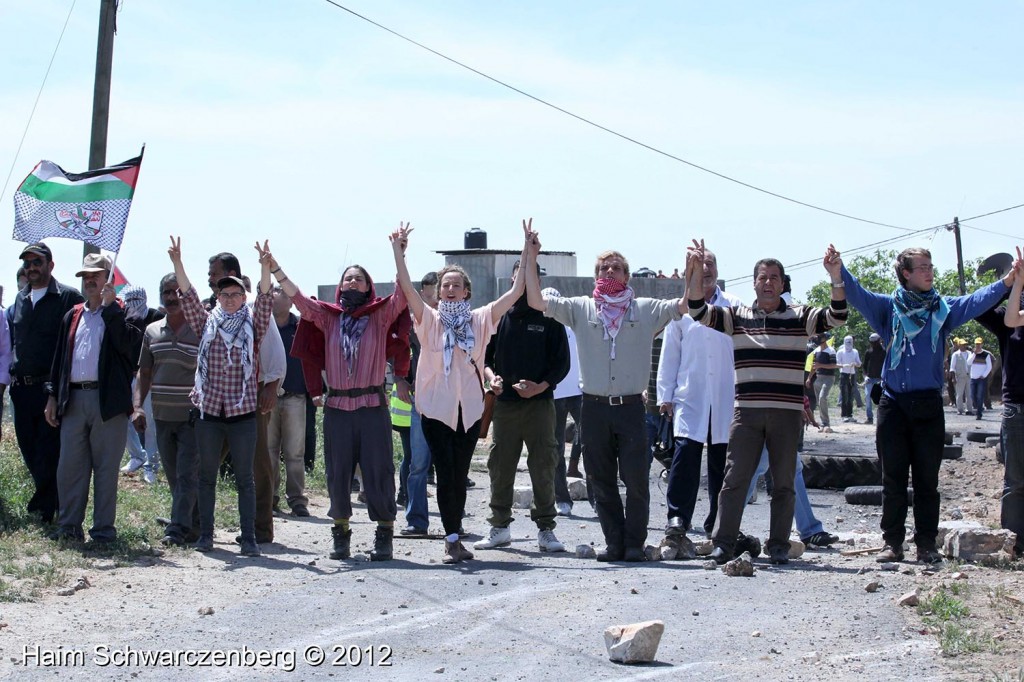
[{"x": 33, "y": 262}]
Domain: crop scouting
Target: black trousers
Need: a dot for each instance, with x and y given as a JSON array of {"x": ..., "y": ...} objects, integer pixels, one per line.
[
  {"x": 847, "y": 387},
  {"x": 451, "y": 452},
  {"x": 909, "y": 440},
  {"x": 615, "y": 446},
  {"x": 40, "y": 446},
  {"x": 684, "y": 480}
]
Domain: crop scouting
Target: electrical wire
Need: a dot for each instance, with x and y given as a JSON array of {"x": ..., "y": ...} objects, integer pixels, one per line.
[
  {"x": 24, "y": 134},
  {"x": 614, "y": 132},
  {"x": 998, "y": 234}
]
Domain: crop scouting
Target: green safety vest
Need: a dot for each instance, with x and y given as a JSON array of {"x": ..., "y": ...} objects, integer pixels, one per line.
[{"x": 401, "y": 411}]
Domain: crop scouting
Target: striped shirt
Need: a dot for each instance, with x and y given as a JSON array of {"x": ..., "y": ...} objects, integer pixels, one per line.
[
  {"x": 223, "y": 389},
  {"x": 172, "y": 358},
  {"x": 769, "y": 349}
]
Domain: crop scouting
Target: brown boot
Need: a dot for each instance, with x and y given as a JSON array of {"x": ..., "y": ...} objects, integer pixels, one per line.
[
  {"x": 889, "y": 554},
  {"x": 573, "y": 471},
  {"x": 454, "y": 552}
]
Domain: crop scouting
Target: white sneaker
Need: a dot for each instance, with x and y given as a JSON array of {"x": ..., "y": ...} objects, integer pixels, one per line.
[
  {"x": 563, "y": 508},
  {"x": 149, "y": 475},
  {"x": 133, "y": 465},
  {"x": 499, "y": 537},
  {"x": 547, "y": 542}
]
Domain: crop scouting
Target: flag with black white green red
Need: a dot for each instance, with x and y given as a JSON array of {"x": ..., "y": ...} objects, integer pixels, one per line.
[{"x": 90, "y": 207}]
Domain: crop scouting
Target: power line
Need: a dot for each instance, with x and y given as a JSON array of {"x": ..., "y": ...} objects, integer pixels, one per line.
[
  {"x": 998, "y": 234},
  {"x": 39, "y": 94},
  {"x": 609, "y": 130}
]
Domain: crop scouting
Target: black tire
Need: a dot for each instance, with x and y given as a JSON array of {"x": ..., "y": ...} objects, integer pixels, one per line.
[
  {"x": 841, "y": 472},
  {"x": 870, "y": 495},
  {"x": 980, "y": 436},
  {"x": 952, "y": 451}
]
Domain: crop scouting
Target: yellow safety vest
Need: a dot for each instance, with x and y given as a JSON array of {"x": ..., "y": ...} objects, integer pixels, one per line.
[{"x": 401, "y": 411}]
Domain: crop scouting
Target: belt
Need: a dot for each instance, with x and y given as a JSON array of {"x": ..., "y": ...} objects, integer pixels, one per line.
[
  {"x": 292, "y": 394},
  {"x": 29, "y": 381},
  {"x": 615, "y": 400},
  {"x": 356, "y": 392},
  {"x": 85, "y": 385}
]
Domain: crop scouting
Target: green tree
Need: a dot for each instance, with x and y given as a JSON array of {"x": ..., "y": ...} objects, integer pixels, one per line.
[{"x": 876, "y": 273}]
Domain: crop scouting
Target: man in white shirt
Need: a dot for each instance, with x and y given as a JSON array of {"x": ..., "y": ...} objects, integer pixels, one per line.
[
  {"x": 980, "y": 362},
  {"x": 696, "y": 385},
  {"x": 960, "y": 368},
  {"x": 848, "y": 359}
]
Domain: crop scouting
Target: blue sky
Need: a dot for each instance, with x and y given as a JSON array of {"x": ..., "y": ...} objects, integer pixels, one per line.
[{"x": 297, "y": 122}]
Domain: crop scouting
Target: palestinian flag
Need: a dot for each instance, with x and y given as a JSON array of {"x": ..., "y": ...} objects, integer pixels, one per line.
[
  {"x": 90, "y": 207},
  {"x": 120, "y": 281}
]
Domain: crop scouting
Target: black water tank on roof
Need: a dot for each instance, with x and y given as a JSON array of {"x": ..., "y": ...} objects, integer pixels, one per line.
[{"x": 476, "y": 239}]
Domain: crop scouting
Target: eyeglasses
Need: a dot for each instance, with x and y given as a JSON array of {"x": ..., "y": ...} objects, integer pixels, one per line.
[
  {"x": 924, "y": 268},
  {"x": 33, "y": 262},
  {"x": 169, "y": 292},
  {"x": 230, "y": 296}
]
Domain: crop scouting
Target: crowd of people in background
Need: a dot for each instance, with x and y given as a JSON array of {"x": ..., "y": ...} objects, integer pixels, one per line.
[{"x": 203, "y": 386}]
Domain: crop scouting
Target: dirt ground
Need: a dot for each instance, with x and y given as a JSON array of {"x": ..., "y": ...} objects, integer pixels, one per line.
[{"x": 517, "y": 613}]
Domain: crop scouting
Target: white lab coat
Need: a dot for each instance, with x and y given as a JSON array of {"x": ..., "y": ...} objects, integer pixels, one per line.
[{"x": 697, "y": 375}]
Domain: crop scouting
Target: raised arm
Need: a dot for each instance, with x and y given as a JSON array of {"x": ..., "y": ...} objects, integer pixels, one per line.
[
  {"x": 267, "y": 262},
  {"x": 174, "y": 251},
  {"x": 506, "y": 300},
  {"x": 834, "y": 266},
  {"x": 1014, "y": 316},
  {"x": 289, "y": 287},
  {"x": 529, "y": 267},
  {"x": 399, "y": 242}
]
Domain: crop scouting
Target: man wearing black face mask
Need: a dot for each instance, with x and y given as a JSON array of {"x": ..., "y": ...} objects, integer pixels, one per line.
[{"x": 525, "y": 360}]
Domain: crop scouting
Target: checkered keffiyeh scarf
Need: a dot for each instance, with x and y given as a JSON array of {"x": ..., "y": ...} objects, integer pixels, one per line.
[
  {"x": 612, "y": 299},
  {"x": 235, "y": 330},
  {"x": 455, "y": 321},
  {"x": 135, "y": 302}
]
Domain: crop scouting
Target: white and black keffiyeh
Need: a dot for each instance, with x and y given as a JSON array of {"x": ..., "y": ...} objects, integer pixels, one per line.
[
  {"x": 456, "y": 321},
  {"x": 234, "y": 330}
]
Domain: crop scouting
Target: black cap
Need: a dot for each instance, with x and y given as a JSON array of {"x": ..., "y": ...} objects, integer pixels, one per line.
[
  {"x": 229, "y": 280},
  {"x": 39, "y": 249}
]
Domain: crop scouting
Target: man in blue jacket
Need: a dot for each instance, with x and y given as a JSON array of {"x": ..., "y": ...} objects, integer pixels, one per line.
[{"x": 914, "y": 323}]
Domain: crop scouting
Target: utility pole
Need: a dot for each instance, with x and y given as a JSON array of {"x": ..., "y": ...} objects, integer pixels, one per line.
[
  {"x": 959, "y": 256},
  {"x": 101, "y": 92}
]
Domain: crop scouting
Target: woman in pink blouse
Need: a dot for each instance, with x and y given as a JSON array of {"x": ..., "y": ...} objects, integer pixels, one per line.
[
  {"x": 357, "y": 423},
  {"x": 449, "y": 384}
]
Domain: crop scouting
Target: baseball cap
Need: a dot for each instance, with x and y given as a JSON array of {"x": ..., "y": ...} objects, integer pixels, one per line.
[
  {"x": 979, "y": 340},
  {"x": 874, "y": 337},
  {"x": 40, "y": 249},
  {"x": 230, "y": 280},
  {"x": 95, "y": 262}
]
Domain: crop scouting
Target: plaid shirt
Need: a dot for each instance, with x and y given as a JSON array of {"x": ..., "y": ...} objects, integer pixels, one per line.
[{"x": 224, "y": 382}]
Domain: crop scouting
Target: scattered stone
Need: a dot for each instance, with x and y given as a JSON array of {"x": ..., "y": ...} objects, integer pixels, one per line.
[
  {"x": 80, "y": 584},
  {"x": 584, "y": 552},
  {"x": 360, "y": 579},
  {"x": 696, "y": 613},
  {"x": 709, "y": 565},
  {"x": 652, "y": 553},
  {"x": 384, "y": 612},
  {"x": 956, "y": 514},
  {"x": 872, "y": 586},
  {"x": 439, "y": 670},
  {"x": 959, "y": 575},
  {"x": 889, "y": 566},
  {"x": 635, "y": 643},
  {"x": 988, "y": 547},
  {"x": 862, "y": 570},
  {"x": 908, "y": 570},
  {"x": 704, "y": 548},
  {"x": 755, "y": 633},
  {"x": 812, "y": 657},
  {"x": 156, "y": 551},
  {"x": 796, "y": 549},
  {"x": 839, "y": 519},
  {"x": 522, "y": 498},
  {"x": 909, "y": 599},
  {"x": 577, "y": 488},
  {"x": 741, "y": 566},
  {"x": 205, "y": 610},
  {"x": 360, "y": 557},
  {"x": 678, "y": 547},
  {"x": 1014, "y": 599}
]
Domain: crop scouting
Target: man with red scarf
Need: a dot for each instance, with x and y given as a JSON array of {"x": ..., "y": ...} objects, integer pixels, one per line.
[
  {"x": 357, "y": 421},
  {"x": 614, "y": 334}
]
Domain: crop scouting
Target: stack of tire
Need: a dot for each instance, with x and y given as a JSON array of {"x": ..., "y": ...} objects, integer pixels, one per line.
[{"x": 859, "y": 476}]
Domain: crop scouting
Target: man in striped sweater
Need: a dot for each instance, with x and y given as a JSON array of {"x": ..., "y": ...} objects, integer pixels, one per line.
[{"x": 769, "y": 340}]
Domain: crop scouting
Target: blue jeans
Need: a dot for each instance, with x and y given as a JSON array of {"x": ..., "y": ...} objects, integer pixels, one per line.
[
  {"x": 146, "y": 453},
  {"x": 868, "y": 404},
  {"x": 806, "y": 523},
  {"x": 416, "y": 484},
  {"x": 978, "y": 387},
  {"x": 651, "y": 423},
  {"x": 1012, "y": 433},
  {"x": 403, "y": 468}
]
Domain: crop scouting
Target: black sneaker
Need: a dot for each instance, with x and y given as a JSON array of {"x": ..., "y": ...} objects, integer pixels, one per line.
[
  {"x": 778, "y": 555},
  {"x": 470, "y": 483},
  {"x": 300, "y": 510},
  {"x": 820, "y": 540}
]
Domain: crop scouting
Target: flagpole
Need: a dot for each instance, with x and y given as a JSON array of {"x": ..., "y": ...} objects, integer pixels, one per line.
[
  {"x": 101, "y": 93},
  {"x": 113, "y": 267}
]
